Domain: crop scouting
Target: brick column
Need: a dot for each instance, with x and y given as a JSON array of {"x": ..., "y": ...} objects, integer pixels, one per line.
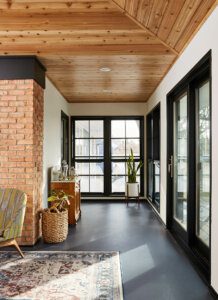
[{"x": 21, "y": 147}]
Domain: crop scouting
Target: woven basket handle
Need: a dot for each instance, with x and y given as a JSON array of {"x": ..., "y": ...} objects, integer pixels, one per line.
[{"x": 53, "y": 209}]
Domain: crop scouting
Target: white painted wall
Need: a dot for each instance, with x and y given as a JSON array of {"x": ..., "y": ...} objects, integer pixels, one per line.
[
  {"x": 53, "y": 104},
  {"x": 205, "y": 40}
]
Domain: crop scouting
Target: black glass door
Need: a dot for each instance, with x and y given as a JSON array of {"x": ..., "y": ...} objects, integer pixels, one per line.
[{"x": 189, "y": 164}]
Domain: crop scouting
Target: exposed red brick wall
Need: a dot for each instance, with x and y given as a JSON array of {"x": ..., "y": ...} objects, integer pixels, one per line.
[{"x": 21, "y": 147}]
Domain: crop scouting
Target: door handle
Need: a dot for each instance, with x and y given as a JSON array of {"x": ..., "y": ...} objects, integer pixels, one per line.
[
  {"x": 170, "y": 166},
  {"x": 199, "y": 166}
]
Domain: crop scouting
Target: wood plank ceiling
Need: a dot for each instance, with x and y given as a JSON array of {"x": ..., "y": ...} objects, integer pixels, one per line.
[{"x": 137, "y": 39}]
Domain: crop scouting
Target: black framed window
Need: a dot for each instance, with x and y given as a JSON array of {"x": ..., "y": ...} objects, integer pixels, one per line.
[
  {"x": 100, "y": 149},
  {"x": 89, "y": 154},
  {"x": 153, "y": 156},
  {"x": 125, "y": 135},
  {"x": 64, "y": 137}
]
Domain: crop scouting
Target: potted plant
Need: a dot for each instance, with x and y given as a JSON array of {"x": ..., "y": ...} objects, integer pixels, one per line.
[
  {"x": 55, "y": 218},
  {"x": 132, "y": 186}
]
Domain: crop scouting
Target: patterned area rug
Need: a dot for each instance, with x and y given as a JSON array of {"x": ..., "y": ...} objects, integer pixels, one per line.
[{"x": 60, "y": 275}]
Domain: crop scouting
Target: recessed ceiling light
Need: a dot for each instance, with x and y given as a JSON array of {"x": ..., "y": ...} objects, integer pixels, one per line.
[{"x": 105, "y": 69}]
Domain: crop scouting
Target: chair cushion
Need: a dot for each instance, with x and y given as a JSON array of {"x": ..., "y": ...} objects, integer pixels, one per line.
[
  {"x": 12, "y": 210},
  {"x": 1, "y": 222}
]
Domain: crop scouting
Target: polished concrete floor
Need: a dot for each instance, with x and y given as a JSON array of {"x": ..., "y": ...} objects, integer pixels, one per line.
[{"x": 153, "y": 266}]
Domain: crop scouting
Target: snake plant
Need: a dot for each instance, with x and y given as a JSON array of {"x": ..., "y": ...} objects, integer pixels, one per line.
[{"x": 132, "y": 168}]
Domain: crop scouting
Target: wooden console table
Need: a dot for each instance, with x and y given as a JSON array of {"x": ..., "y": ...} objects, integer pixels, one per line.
[{"x": 71, "y": 188}]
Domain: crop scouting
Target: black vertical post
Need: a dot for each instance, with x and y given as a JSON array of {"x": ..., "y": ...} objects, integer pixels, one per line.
[
  {"x": 191, "y": 201},
  {"x": 170, "y": 142},
  {"x": 142, "y": 154},
  {"x": 107, "y": 154}
]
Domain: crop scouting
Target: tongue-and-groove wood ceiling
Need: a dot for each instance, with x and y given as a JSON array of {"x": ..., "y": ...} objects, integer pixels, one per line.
[{"x": 137, "y": 39}]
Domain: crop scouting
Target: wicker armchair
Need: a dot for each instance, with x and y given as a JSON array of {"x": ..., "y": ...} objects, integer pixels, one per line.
[{"x": 12, "y": 211}]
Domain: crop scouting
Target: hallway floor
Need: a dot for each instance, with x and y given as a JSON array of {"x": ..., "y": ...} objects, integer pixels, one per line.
[{"x": 153, "y": 266}]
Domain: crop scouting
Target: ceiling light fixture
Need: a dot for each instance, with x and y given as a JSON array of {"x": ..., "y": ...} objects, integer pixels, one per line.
[{"x": 105, "y": 69}]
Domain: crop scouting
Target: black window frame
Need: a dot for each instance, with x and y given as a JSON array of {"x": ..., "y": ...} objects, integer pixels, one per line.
[
  {"x": 87, "y": 159},
  {"x": 65, "y": 141},
  {"x": 107, "y": 152},
  {"x": 153, "y": 144}
]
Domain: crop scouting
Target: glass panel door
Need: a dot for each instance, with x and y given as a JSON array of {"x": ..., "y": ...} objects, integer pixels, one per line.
[
  {"x": 125, "y": 135},
  {"x": 180, "y": 161},
  {"x": 189, "y": 164},
  {"x": 203, "y": 163},
  {"x": 89, "y": 154}
]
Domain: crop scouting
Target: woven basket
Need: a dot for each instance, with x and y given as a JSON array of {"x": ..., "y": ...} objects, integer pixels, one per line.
[{"x": 54, "y": 226}]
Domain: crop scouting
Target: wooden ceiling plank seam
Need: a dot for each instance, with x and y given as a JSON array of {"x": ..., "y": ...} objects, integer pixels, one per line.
[
  {"x": 104, "y": 37},
  {"x": 121, "y": 3},
  {"x": 23, "y": 33},
  {"x": 183, "y": 19},
  {"x": 121, "y": 49},
  {"x": 145, "y": 28},
  {"x": 145, "y": 60},
  {"x": 136, "y": 7},
  {"x": 132, "y": 6},
  {"x": 45, "y": 5},
  {"x": 146, "y": 19},
  {"x": 60, "y": 21},
  {"x": 74, "y": 40},
  {"x": 143, "y": 10},
  {"x": 189, "y": 33},
  {"x": 125, "y": 4},
  {"x": 173, "y": 16},
  {"x": 160, "y": 8}
]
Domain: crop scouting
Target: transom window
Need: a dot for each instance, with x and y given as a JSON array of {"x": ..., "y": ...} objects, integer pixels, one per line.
[{"x": 100, "y": 149}]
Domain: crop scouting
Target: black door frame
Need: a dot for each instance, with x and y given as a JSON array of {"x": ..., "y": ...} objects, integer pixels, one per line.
[
  {"x": 148, "y": 117},
  {"x": 202, "y": 258},
  {"x": 65, "y": 117}
]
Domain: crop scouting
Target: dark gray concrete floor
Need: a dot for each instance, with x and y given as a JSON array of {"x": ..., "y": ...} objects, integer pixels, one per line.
[{"x": 153, "y": 266}]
